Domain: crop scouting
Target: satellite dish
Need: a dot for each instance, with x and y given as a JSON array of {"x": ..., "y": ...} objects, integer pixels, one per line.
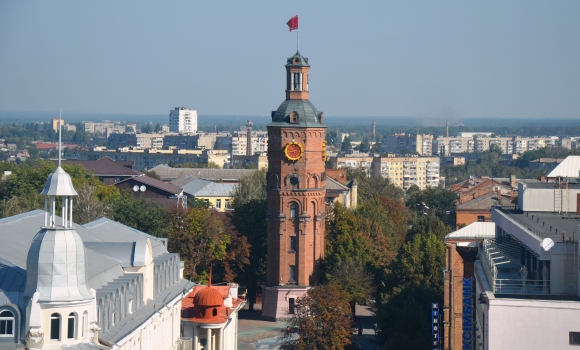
[
  {"x": 547, "y": 244},
  {"x": 135, "y": 188},
  {"x": 143, "y": 188}
]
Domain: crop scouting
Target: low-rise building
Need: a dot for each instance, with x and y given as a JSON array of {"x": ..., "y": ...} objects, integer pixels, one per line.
[
  {"x": 143, "y": 187},
  {"x": 219, "y": 195}
]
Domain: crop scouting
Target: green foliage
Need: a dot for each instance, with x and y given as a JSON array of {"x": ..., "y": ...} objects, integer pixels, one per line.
[
  {"x": 523, "y": 161},
  {"x": 372, "y": 187},
  {"x": 352, "y": 278},
  {"x": 141, "y": 214},
  {"x": 376, "y": 148},
  {"x": 250, "y": 187},
  {"x": 321, "y": 320},
  {"x": 346, "y": 145},
  {"x": 414, "y": 282},
  {"x": 428, "y": 224},
  {"x": 436, "y": 201},
  {"x": 249, "y": 219},
  {"x": 365, "y": 145}
]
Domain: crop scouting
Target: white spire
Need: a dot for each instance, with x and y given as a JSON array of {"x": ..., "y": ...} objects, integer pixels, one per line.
[{"x": 59, "y": 136}]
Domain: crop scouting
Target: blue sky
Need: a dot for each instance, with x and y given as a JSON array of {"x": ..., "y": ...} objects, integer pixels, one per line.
[{"x": 516, "y": 59}]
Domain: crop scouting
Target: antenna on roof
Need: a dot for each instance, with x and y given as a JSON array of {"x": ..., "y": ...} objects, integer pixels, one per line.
[
  {"x": 59, "y": 136},
  {"x": 209, "y": 282}
]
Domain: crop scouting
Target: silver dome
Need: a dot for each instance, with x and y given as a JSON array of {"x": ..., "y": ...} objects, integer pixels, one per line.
[
  {"x": 56, "y": 267},
  {"x": 59, "y": 183}
]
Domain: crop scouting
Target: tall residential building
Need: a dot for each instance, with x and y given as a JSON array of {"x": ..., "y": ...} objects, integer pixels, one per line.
[
  {"x": 401, "y": 143},
  {"x": 446, "y": 146},
  {"x": 408, "y": 171},
  {"x": 296, "y": 189},
  {"x": 183, "y": 120}
]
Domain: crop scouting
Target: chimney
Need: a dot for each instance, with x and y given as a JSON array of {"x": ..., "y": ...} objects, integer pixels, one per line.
[{"x": 249, "y": 138}]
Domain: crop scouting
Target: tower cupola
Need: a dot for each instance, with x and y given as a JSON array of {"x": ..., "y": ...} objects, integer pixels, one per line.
[{"x": 297, "y": 69}]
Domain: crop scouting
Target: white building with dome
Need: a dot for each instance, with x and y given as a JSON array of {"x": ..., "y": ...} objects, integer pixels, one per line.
[{"x": 101, "y": 285}]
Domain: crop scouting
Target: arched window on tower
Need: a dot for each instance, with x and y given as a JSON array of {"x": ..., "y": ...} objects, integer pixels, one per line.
[
  {"x": 293, "y": 208},
  {"x": 6, "y": 324},
  {"x": 71, "y": 326},
  {"x": 55, "y": 326}
]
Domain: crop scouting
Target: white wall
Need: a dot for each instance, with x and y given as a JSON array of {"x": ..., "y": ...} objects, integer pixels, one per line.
[
  {"x": 543, "y": 199},
  {"x": 531, "y": 324}
]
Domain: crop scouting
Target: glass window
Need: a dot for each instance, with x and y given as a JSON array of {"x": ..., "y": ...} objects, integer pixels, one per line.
[
  {"x": 292, "y": 210},
  {"x": 71, "y": 326},
  {"x": 293, "y": 243},
  {"x": 481, "y": 219},
  {"x": 6, "y": 324},
  {"x": 227, "y": 204},
  {"x": 55, "y": 326},
  {"x": 218, "y": 203},
  {"x": 574, "y": 338},
  {"x": 292, "y": 273},
  {"x": 291, "y": 303}
]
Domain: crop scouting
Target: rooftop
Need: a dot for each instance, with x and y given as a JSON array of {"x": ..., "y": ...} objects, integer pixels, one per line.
[{"x": 546, "y": 225}]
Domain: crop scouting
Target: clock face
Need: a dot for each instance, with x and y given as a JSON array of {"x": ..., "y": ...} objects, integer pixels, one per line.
[{"x": 293, "y": 151}]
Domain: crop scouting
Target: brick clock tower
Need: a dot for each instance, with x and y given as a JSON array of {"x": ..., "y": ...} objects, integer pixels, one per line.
[{"x": 296, "y": 186}]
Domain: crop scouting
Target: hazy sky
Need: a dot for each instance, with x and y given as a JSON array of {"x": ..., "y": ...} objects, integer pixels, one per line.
[{"x": 517, "y": 59}]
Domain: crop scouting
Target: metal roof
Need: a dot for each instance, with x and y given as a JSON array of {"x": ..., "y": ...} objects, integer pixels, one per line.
[
  {"x": 149, "y": 181},
  {"x": 85, "y": 346},
  {"x": 231, "y": 175},
  {"x": 129, "y": 324},
  {"x": 334, "y": 185},
  {"x": 484, "y": 202},
  {"x": 302, "y": 61},
  {"x": 214, "y": 189},
  {"x": 570, "y": 167},
  {"x": 59, "y": 183},
  {"x": 104, "y": 167},
  {"x": 307, "y": 115},
  {"x": 473, "y": 231}
]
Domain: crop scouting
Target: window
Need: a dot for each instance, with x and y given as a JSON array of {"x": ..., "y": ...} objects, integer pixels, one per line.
[
  {"x": 481, "y": 219},
  {"x": 218, "y": 203},
  {"x": 55, "y": 326},
  {"x": 227, "y": 204},
  {"x": 291, "y": 303},
  {"x": 292, "y": 211},
  {"x": 6, "y": 324},
  {"x": 574, "y": 338},
  {"x": 293, "y": 243},
  {"x": 70, "y": 334},
  {"x": 292, "y": 274}
]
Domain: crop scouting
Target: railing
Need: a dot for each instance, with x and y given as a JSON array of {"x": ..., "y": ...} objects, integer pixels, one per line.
[
  {"x": 516, "y": 286},
  {"x": 184, "y": 344}
]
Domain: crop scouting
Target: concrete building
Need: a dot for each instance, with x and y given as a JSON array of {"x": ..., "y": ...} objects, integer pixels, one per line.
[
  {"x": 150, "y": 158},
  {"x": 258, "y": 161},
  {"x": 122, "y": 140},
  {"x": 482, "y": 144},
  {"x": 181, "y": 141},
  {"x": 183, "y": 120},
  {"x": 408, "y": 171},
  {"x": 105, "y": 128},
  {"x": 352, "y": 160},
  {"x": 513, "y": 283},
  {"x": 101, "y": 285},
  {"x": 447, "y": 146},
  {"x": 296, "y": 187},
  {"x": 154, "y": 141},
  {"x": 401, "y": 143}
]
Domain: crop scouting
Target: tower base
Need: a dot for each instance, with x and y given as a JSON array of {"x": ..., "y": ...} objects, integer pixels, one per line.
[{"x": 277, "y": 303}]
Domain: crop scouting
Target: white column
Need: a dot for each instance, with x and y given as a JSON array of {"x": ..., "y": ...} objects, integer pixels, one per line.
[
  {"x": 208, "y": 343},
  {"x": 195, "y": 337},
  {"x": 300, "y": 81},
  {"x": 291, "y": 81},
  {"x": 221, "y": 339},
  {"x": 70, "y": 209}
]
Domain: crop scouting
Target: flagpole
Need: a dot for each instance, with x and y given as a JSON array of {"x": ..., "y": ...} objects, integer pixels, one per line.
[{"x": 297, "y": 40}]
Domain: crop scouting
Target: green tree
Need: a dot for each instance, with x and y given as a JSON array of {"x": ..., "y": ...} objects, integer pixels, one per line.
[
  {"x": 352, "y": 278},
  {"x": 321, "y": 320},
  {"x": 143, "y": 215},
  {"x": 251, "y": 187},
  {"x": 346, "y": 146},
  {"x": 413, "y": 283},
  {"x": 365, "y": 145}
]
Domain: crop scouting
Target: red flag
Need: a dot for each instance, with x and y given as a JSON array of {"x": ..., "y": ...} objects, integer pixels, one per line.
[{"x": 293, "y": 23}]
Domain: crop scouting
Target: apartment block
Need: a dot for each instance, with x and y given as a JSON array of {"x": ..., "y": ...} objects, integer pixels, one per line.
[
  {"x": 401, "y": 143},
  {"x": 105, "y": 128},
  {"x": 407, "y": 171},
  {"x": 446, "y": 146},
  {"x": 183, "y": 120},
  {"x": 353, "y": 160}
]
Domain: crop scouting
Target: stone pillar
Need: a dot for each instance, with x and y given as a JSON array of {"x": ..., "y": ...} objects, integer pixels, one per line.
[
  {"x": 195, "y": 339},
  {"x": 208, "y": 343},
  {"x": 221, "y": 339}
]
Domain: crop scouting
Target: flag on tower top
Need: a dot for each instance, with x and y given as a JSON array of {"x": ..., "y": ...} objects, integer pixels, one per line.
[{"x": 293, "y": 23}]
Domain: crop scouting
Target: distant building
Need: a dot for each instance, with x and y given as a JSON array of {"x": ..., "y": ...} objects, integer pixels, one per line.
[
  {"x": 259, "y": 161},
  {"x": 352, "y": 160},
  {"x": 150, "y": 189},
  {"x": 544, "y": 163},
  {"x": 155, "y": 141},
  {"x": 408, "y": 171},
  {"x": 219, "y": 195},
  {"x": 106, "y": 169},
  {"x": 446, "y": 146},
  {"x": 569, "y": 168},
  {"x": 181, "y": 141},
  {"x": 401, "y": 143},
  {"x": 105, "y": 128},
  {"x": 183, "y": 120},
  {"x": 122, "y": 140},
  {"x": 167, "y": 173}
]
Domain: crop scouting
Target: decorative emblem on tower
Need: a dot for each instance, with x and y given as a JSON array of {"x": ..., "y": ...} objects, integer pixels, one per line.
[{"x": 293, "y": 151}]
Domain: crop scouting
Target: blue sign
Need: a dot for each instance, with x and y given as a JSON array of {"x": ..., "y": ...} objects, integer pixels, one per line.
[
  {"x": 435, "y": 325},
  {"x": 467, "y": 310}
]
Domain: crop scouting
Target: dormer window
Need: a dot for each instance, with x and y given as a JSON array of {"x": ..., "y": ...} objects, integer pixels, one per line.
[{"x": 294, "y": 117}]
